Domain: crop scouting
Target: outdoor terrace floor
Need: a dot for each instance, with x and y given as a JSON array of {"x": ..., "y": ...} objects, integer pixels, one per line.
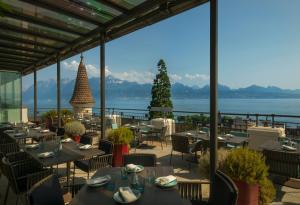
[{"x": 285, "y": 195}]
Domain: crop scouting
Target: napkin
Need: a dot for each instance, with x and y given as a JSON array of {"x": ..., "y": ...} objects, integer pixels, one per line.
[
  {"x": 165, "y": 180},
  {"x": 127, "y": 194},
  {"x": 98, "y": 180},
  {"x": 132, "y": 167},
  {"x": 19, "y": 134},
  {"x": 46, "y": 154},
  {"x": 9, "y": 131},
  {"x": 37, "y": 128},
  {"x": 66, "y": 140},
  {"x": 289, "y": 148},
  {"x": 202, "y": 132},
  {"x": 188, "y": 133},
  {"x": 43, "y": 131},
  {"x": 221, "y": 138},
  {"x": 32, "y": 146},
  {"x": 87, "y": 146},
  {"x": 229, "y": 135}
]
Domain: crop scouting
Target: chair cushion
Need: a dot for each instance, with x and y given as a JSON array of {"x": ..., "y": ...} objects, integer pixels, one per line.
[{"x": 82, "y": 165}]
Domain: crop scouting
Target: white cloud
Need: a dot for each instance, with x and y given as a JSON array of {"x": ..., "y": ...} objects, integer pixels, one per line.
[
  {"x": 197, "y": 76},
  {"x": 137, "y": 76}
]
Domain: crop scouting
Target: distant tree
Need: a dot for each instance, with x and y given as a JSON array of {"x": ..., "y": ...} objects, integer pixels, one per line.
[{"x": 161, "y": 92}]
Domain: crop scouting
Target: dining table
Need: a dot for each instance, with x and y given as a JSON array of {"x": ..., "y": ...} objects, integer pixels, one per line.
[
  {"x": 69, "y": 152},
  {"x": 199, "y": 135},
  {"x": 34, "y": 134},
  {"x": 152, "y": 195}
]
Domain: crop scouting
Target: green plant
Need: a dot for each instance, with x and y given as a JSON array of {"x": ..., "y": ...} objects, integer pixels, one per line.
[
  {"x": 267, "y": 191},
  {"x": 122, "y": 135},
  {"x": 204, "y": 161},
  {"x": 74, "y": 128},
  {"x": 161, "y": 92},
  {"x": 249, "y": 166}
]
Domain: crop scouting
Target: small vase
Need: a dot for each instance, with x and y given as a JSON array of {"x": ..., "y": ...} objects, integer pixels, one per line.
[{"x": 76, "y": 138}]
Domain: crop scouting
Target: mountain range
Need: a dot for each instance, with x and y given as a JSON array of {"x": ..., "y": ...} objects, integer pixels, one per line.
[{"x": 116, "y": 88}]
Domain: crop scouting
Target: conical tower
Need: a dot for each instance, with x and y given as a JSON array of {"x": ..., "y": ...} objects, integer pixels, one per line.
[{"x": 82, "y": 99}]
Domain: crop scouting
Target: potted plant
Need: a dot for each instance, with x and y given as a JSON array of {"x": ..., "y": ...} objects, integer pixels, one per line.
[
  {"x": 74, "y": 129},
  {"x": 248, "y": 170},
  {"x": 121, "y": 138},
  {"x": 48, "y": 117}
]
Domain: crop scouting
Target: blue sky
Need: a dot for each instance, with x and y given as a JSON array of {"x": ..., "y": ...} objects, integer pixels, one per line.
[{"x": 259, "y": 43}]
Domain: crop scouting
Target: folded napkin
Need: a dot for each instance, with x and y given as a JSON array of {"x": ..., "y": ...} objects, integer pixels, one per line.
[
  {"x": 32, "y": 146},
  {"x": 19, "y": 134},
  {"x": 288, "y": 148},
  {"x": 229, "y": 135},
  {"x": 67, "y": 140},
  {"x": 132, "y": 167},
  {"x": 202, "y": 132},
  {"x": 87, "y": 146},
  {"x": 44, "y": 131},
  {"x": 37, "y": 128},
  {"x": 221, "y": 138},
  {"x": 98, "y": 180},
  {"x": 127, "y": 194},
  {"x": 165, "y": 180},
  {"x": 188, "y": 134},
  {"x": 46, "y": 154}
]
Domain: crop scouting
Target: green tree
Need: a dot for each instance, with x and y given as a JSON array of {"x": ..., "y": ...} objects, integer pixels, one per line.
[{"x": 161, "y": 92}]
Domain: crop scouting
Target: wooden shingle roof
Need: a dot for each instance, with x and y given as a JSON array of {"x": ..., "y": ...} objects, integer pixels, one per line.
[{"x": 82, "y": 93}]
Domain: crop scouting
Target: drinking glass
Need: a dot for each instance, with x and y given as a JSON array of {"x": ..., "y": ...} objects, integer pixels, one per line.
[
  {"x": 151, "y": 176},
  {"x": 124, "y": 175}
]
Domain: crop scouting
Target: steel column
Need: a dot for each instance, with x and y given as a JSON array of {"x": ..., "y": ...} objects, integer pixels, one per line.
[
  {"x": 34, "y": 96},
  {"x": 58, "y": 92},
  {"x": 213, "y": 93},
  {"x": 102, "y": 84}
]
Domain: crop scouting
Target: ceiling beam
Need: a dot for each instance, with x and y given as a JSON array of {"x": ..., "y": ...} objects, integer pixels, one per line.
[
  {"x": 18, "y": 57},
  {"x": 9, "y": 68},
  {"x": 31, "y": 32},
  {"x": 114, "y": 6},
  {"x": 7, "y": 60},
  {"x": 22, "y": 48},
  {"x": 12, "y": 64},
  {"x": 26, "y": 41},
  {"x": 60, "y": 10},
  {"x": 18, "y": 53},
  {"x": 40, "y": 22}
]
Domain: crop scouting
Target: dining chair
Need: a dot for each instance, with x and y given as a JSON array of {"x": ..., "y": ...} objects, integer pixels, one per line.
[
  {"x": 40, "y": 193},
  {"x": 163, "y": 136},
  {"x": 191, "y": 190},
  {"x": 225, "y": 194},
  {"x": 106, "y": 146},
  {"x": 283, "y": 163},
  {"x": 180, "y": 144},
  {"x": 92, "y": 164},
  {"x": 22, "y": 175},
  {"x": 146, "y": 160}
]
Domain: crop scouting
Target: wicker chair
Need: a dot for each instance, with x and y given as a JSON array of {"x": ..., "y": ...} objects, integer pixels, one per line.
[
  {"x": 283, "y": 163},
  {"x": 180, "y": 144},
  {"x": 147, "y": 160},
  {"x": 92, "y": 164},
  {"x": 22, "y": 175},
  {"x": 226, "y": 194},
  {"x": 40, "y": 194},
  {"x": 191, "y": 190},
  {"x": 163, "y": 136}
]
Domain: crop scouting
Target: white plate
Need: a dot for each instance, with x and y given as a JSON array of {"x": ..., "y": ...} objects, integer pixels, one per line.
[
  {"x": 288, "y": 148},
  {"x": 18, "y": 134},
  {"x": 221, "y": 138},
  {"x": 140, "y": 168},
  {"x": 9, "y": 131},
  {"x": 37, "y": 128},
  {"x": 45, "y": 131},
  {"x": 118, "y": 198},
  {"x": 202, "y": 132},
  {"x": 188, "y": 134}
]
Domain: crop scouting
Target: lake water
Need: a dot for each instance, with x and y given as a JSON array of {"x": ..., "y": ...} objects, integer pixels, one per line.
[{"x": 263, "y": 106}]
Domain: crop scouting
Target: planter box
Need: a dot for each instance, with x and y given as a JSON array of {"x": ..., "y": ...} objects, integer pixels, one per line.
[
  {"x": 248, "y": 194},
  {"x": 119, "y": 151}
]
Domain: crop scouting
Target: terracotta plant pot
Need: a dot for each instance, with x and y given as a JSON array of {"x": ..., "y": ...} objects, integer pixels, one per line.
[
  {"x": 248, "y": 194},
  {"x": 119, "y": 151},
  {"x": 76, "y": 138}
]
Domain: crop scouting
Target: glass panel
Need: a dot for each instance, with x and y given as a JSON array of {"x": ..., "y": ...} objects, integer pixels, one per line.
[
  {"x": 40, "y": 29},
  {"x": 129, "y": 4},
  {"x": 51, "y": 16},
  {"x": 10, "y": 96}
]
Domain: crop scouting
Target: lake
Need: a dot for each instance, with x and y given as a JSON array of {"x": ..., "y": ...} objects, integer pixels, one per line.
[{"x": 263, "y": 106}]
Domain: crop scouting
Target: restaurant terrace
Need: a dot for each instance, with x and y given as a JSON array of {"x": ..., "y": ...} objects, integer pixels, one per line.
[{"x": 163, "y": 163}]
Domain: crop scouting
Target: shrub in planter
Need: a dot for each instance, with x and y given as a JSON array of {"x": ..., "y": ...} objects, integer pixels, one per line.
[
  {"x": 249, "y": 171},
  {"x": 74, "y": 129},
  {"x": 121, "y": 138}
]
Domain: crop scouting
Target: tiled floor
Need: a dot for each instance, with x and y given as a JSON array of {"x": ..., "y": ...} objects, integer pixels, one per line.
[{"x": 285, "y": 195}]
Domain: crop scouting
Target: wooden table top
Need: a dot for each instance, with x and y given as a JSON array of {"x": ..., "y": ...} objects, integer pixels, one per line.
[
  {"x": 202, "y": 136},
  {"x": 152, "y": 195},
  {"x": 70, "y": 152}
]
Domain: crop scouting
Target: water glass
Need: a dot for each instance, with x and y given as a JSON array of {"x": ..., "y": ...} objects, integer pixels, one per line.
[
  {"x": 139, "y": 186},
  {"x": 151, "y": 176},
  {"x": 124, "y": 175}
]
